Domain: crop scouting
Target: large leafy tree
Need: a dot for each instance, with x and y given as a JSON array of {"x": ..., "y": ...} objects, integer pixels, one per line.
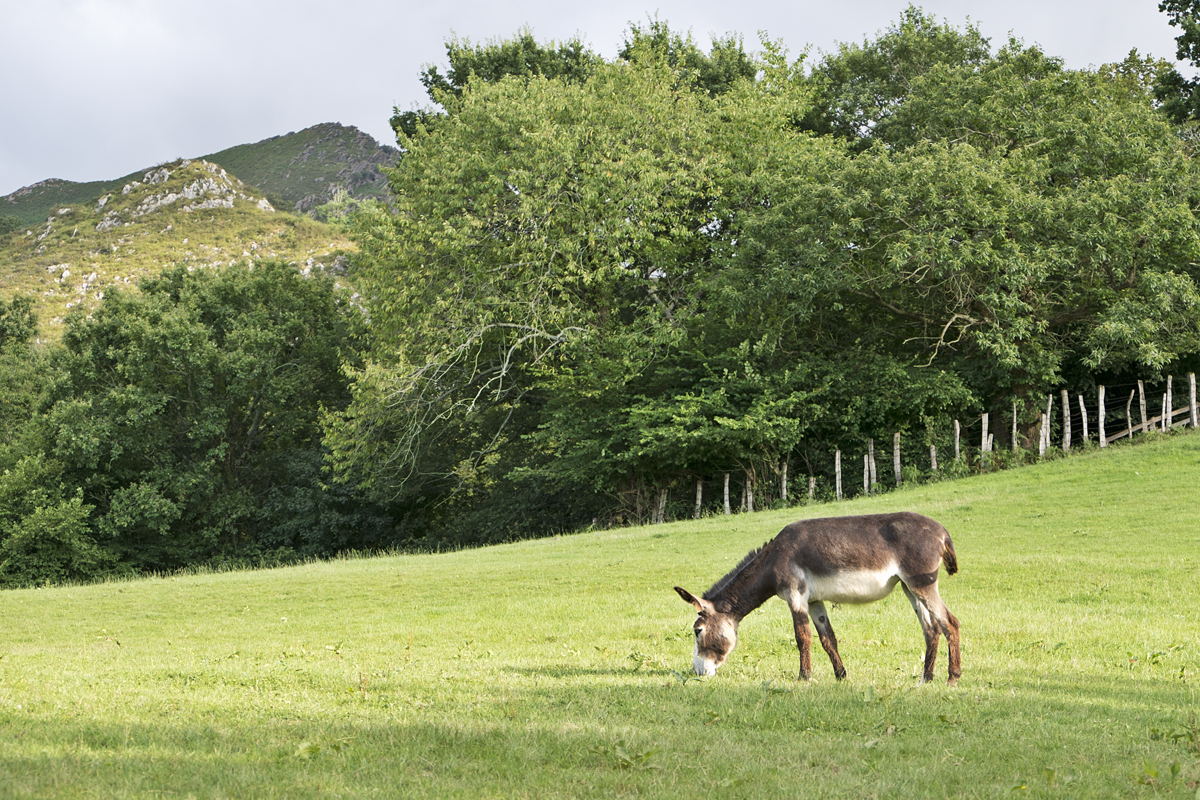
[
  {"x": 1178, "y": 95},
  {"x": 859, "y": 88},
  {"x": 546, "y": 229},
  {"x": 185, "y": 427}
]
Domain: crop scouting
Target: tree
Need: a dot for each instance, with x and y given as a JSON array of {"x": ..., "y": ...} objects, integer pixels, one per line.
[
  {"x": 859, "y": 88},
  {"x": 1178, "y": 95},
  {"x": 715, "y": 73},
  {"x": 1021, "y": 219},
  {"x": 186, "y": 420},
  {"x": 547, "y": 225},
  {"x": 522, "y": 56}
]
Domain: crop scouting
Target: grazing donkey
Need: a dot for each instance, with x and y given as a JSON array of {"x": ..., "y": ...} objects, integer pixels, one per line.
[{"x": 835, "y": 560}]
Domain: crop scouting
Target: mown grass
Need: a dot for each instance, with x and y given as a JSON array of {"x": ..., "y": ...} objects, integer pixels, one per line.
[{"x": 560, "y": 667}]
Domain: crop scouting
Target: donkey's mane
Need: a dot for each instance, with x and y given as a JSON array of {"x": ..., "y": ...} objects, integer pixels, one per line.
[{"x": 723, "y": 584}]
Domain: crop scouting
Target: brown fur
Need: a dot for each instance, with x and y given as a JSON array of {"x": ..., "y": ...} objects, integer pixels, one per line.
[{"x": 836, "y": 559}]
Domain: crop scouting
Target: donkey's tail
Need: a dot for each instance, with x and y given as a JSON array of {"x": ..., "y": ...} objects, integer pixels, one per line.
[{"x": 948, "y": 556}]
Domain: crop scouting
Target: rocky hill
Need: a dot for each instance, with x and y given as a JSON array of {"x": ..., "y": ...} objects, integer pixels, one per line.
[
  {"x": 188, "y": 212},
  {"x": 303, "y": 170},
  {"x": 297, "y": 171}
]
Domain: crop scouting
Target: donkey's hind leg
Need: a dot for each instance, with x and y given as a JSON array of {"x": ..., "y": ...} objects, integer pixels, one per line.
[
  {"x": 820, "y": 618},
  {"x": 936, "y": 618}
]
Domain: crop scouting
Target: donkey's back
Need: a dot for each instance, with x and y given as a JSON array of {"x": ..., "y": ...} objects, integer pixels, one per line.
[{"x": 908, "y": 545}]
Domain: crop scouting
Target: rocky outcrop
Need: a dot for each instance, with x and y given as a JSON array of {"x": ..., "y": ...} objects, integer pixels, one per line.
[{"x": 199, "y": 184}]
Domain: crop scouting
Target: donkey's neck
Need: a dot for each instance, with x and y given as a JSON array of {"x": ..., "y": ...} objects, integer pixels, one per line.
[{"x": 744, "y": 589}]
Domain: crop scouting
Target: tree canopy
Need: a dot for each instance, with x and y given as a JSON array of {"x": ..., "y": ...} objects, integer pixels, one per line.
[{"x": 601, "y": 278}]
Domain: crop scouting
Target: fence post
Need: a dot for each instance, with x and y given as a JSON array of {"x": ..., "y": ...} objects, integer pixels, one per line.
[
  {"x": 984, "y": 444},
  {"x": 1066, "y": 403},
  {"x": 957, "y": 431},
  {"x": 812, "y": 486},
  {"x": 871, "y": 461},
  {"x": 1014, "y": 428},
  {"x": 1083, "y": 416},
  {"x": 933, "y": 457},
  {"x": 783, "y": 482},
  {"x": 699, "y": 497},
  {"x": 1044, "y": 435},
  {"x": 1129, "y": 414},
  {"x": 1100, "y": 417},
  {"x": 896, "y": 457},
  {"x": 1170, "y": 418},
  {"x": 837, "y": 472},
  {"x": 1141, "y": 390},
  {"x": 866, "y": 474},
  {"x": 728, "y": 510},
  {"x": 1192, "y": 417}
]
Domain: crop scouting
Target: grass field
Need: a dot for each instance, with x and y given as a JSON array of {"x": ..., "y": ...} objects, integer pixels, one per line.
[{"x": 561, "y": 667}]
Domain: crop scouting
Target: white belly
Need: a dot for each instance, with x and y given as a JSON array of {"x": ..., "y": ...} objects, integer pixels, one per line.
[{"x": 860, "y": 586}]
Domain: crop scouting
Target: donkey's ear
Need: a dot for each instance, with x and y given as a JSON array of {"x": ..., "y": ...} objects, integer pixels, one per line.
[{"x": 689, "y": 598}]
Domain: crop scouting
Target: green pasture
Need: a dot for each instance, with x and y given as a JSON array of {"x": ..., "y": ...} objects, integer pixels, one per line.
[{"x": 560, "y": 668}]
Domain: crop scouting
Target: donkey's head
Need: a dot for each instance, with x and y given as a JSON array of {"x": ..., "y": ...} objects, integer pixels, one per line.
[{"x": 716, "y": 634}]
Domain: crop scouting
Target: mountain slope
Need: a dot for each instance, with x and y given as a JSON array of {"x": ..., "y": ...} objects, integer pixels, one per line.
[
  {"x": 303, "y": 170},
  {"x": 189, "y": 212},
  {"x": 297, "y": 171}
]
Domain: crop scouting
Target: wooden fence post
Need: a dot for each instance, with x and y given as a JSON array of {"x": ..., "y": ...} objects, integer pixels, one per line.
[
  {"x": 1044, "y": 435},
  {"x": 699, "y": 497},
  {"x": 837, "y": 472},
  {"x": 1192, "y": 416},
  {"x": 1162, "y": 420},
  {"x": 749, "y": 492},
  {"x": 933, "y": 457},
  {"x": 812, "y": 486},
  {"x": 984, "y": 442},
  {"x": 783, "y": 481},
  {"x": 866, "y": 474},
  {"x": 1129, "y": 415},
  {"x": 1014, "y": 428},
  {"x": 728, "y": 510},
  {"x": 1170, "y": 418},
  {"x": 957, "y": 431},
  {"x": 1100, "y": 417},
  {"x": 1141, "y": 390},
  {"x": 871, "y": 458},
  {"x": 1083, "y": 416},
  {"x": 896, "y": 457},
  {"x": 1066, "y": 401}
]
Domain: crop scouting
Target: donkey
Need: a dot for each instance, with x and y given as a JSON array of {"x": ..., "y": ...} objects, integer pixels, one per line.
[{"x": 836, "y": 560}]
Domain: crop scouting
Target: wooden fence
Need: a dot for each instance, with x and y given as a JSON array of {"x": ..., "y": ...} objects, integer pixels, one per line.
[{"x": 1168, "y": 416}]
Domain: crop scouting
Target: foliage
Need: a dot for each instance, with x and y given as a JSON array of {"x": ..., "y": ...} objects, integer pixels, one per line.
[
  {"x": 10, "y": 223},
  {"x": 859, "y": 88},
  {"x": 185, "y": 421},
  {"x": 521, "y": 56},
  {"x": 547, "y": 224},
  {"x": 714, "y": 73},
  {"x": 1178, "y": 95},
  {"x": 676, "y": 265}
]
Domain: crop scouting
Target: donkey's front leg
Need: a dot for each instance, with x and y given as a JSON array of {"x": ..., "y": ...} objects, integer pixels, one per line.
[
  {"x": 820, "y": 618},
  {"x": 803, "y": 642}
]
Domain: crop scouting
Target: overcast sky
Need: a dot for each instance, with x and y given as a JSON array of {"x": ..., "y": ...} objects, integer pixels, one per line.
[{"x": 96, "y": 89}]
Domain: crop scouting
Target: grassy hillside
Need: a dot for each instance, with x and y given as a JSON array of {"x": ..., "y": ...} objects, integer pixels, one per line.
[
  {"x": 297, "y": 171},
  {"x": 190, "y": 212},
  {"x": 560, "y": 667},
  {"x": 302, "y": 170}
]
